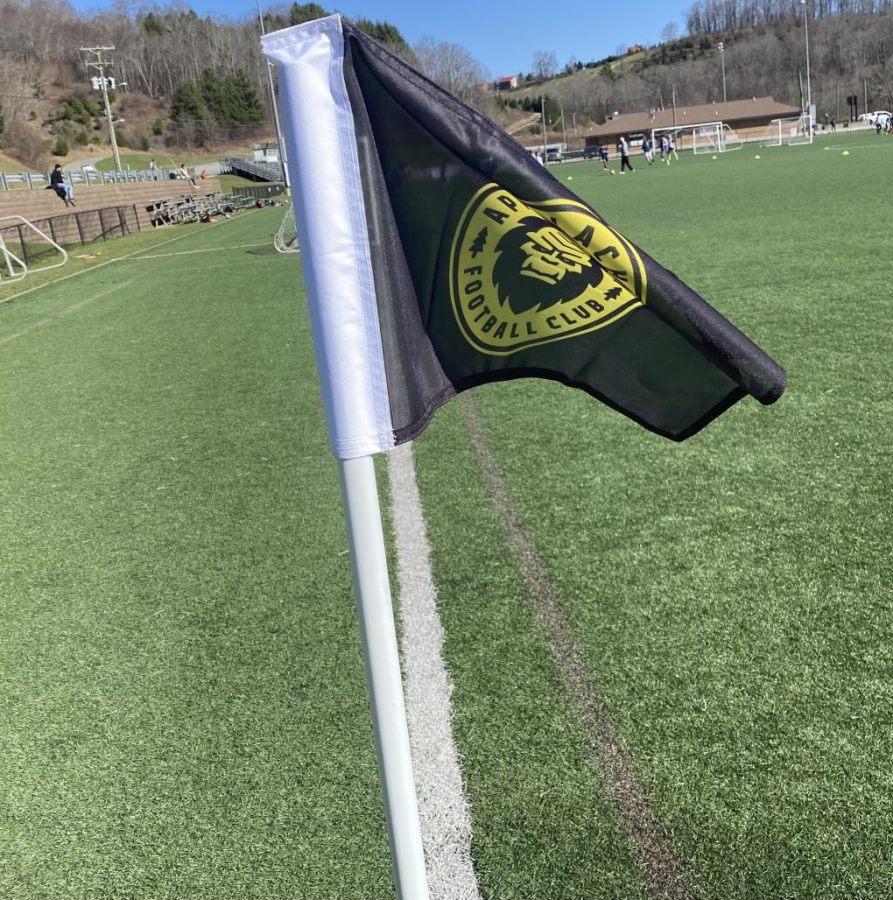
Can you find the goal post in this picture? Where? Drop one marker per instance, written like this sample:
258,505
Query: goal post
715,137
21,241
702,137
788,132
286,239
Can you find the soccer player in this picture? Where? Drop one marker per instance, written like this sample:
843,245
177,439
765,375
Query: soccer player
648,150
624,155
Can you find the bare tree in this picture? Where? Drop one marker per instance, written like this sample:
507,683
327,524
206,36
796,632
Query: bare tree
545,65
452,67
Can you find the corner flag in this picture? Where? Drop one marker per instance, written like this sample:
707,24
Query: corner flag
440,255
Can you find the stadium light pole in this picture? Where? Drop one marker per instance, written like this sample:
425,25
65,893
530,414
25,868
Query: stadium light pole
722,60
808,85
283,160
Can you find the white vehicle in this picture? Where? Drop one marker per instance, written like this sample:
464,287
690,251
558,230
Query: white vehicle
881,119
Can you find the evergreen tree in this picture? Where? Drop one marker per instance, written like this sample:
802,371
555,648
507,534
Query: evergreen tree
389,35
242,104
190,115
299,13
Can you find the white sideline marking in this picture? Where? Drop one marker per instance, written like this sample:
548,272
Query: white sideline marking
65,312
443,806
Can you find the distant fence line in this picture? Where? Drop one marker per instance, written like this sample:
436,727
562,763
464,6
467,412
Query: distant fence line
260,192
89,177
70,229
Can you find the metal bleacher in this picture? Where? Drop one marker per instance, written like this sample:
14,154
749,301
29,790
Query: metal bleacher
250,168
195,209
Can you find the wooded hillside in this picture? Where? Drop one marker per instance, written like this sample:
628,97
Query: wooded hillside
196,81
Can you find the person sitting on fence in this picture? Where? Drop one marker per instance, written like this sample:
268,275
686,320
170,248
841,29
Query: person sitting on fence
60,186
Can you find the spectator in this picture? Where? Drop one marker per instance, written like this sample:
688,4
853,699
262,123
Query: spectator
60,186
184,173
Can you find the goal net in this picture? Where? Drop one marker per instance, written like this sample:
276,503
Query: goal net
286,239
793,130
24,248
714,137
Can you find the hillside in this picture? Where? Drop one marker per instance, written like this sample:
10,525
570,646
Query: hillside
198,85
848,58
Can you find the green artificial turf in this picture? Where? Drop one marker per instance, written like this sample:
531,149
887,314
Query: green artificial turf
182,700
731,594
183,707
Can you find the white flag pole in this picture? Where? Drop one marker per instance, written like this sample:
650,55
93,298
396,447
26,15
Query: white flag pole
383,678
329,212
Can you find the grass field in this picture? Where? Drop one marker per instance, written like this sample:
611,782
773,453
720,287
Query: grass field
183,708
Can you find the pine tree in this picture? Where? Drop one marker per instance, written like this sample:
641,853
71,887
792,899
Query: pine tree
242,104
189,113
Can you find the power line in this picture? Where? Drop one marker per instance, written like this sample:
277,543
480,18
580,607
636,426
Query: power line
99,64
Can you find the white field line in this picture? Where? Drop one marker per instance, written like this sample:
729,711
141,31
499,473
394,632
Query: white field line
443,806
108,262
204,250
65,312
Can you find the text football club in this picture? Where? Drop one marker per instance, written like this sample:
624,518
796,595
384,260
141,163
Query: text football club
524,273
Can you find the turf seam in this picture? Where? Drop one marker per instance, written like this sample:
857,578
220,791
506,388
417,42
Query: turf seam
443,804
667,878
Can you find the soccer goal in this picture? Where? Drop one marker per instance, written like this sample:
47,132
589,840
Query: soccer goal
22,243
714,137
286,239
790,131
679,136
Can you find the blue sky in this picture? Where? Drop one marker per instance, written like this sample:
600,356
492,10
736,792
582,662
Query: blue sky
501,35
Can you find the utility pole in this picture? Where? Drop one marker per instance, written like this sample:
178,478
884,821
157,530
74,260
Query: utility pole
563,129
722,58
283,159
674,113
808,80
99,64
543,114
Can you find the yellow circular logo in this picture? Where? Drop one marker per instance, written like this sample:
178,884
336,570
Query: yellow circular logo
528,273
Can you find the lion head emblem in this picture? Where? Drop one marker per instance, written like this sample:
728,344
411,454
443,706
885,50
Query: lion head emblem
538,265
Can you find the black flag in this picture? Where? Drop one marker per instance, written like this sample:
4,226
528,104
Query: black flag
478,265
